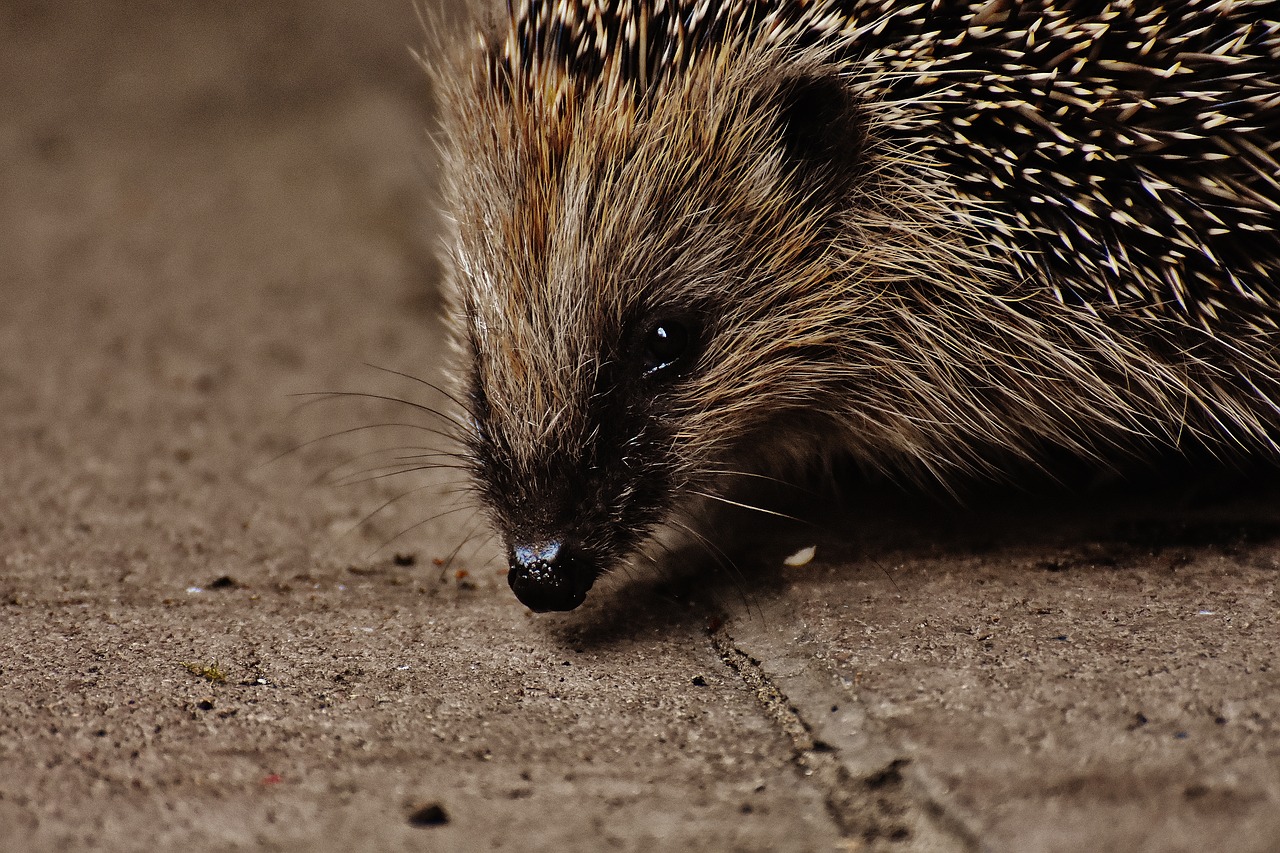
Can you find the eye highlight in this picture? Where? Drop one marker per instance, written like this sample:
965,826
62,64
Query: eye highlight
667,348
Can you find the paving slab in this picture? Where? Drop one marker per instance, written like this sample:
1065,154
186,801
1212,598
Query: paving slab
1104,682
223,628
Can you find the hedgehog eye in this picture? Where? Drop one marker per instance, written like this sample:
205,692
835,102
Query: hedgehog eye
666,347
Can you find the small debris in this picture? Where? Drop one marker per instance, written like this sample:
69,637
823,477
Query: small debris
428,814
271,779
801,558
210,672
224,582
404,559
698,681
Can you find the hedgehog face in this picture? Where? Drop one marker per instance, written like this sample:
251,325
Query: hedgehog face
636,278
584,491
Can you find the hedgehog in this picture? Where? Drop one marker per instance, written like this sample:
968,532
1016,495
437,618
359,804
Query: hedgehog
695,241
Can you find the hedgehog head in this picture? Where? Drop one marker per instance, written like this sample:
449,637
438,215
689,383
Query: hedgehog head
636,271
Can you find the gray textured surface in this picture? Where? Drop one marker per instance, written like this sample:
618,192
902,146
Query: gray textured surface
207,208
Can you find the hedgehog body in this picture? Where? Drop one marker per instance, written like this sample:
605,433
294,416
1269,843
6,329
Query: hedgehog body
696,241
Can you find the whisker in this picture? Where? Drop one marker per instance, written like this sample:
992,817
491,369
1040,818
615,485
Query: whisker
667,572
460,487
664,571
415,526
365,520
420,380
434,454
755,475
321,396
724,500
738,580
722,559
328,476
471,532
368,475
348,431
890,576
489,562
490,536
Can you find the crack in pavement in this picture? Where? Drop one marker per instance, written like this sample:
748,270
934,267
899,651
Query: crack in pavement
875,801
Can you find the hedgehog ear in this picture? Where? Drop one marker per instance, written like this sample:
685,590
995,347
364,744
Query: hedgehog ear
823,133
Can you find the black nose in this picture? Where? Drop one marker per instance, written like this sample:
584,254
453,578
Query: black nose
551,575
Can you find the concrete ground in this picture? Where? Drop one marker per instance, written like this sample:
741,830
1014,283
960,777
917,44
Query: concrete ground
208,208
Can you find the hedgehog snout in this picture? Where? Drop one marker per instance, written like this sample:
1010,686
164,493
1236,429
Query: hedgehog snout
551,575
